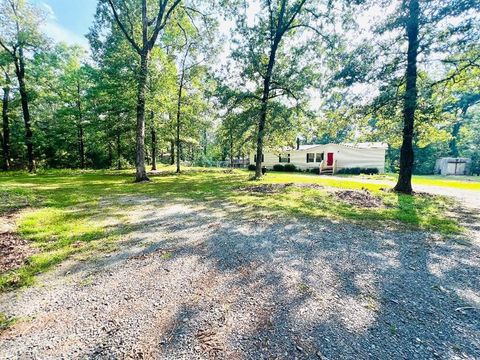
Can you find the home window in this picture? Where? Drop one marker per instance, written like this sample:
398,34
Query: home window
318,157
255,158
310,157
284,158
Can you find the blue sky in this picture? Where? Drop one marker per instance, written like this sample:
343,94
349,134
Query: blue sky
68,20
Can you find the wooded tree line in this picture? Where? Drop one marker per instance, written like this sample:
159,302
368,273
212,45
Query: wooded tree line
186,80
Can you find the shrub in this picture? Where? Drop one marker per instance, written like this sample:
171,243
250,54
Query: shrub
358,171
370,171
290,167
251,167
315,170
278,167
350,171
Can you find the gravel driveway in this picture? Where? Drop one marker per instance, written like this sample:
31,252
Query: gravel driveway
210,281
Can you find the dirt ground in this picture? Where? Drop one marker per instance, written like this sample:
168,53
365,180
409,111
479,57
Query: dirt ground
205,281
13,249
470,199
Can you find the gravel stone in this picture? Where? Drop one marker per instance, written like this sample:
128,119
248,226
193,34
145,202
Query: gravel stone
243,288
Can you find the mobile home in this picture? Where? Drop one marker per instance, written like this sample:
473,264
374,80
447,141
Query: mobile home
329,158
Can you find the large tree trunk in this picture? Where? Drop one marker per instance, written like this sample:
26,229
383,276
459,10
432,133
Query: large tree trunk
264,107
81,146
158,22
404,184
172,152
179,109
154,145
6,128
177,141
81,142
20,72
141,173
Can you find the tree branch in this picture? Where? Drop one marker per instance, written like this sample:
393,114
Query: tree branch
122,27
294,15
470,64
7,49
162,19
318,32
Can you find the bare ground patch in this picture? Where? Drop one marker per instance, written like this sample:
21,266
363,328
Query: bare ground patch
360,198
13,249
276,188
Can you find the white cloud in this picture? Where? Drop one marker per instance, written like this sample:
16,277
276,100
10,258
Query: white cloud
60,34
54,30
49,11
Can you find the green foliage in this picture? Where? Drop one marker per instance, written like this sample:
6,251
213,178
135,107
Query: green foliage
278,167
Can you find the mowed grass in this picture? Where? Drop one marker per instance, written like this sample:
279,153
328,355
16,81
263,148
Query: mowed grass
457,182
82,213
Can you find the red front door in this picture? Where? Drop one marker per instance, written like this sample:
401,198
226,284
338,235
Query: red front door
329,159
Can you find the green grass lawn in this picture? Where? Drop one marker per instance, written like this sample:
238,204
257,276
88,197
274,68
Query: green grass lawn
458,182
77,212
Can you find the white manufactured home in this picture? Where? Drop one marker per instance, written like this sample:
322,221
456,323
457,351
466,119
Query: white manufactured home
329,158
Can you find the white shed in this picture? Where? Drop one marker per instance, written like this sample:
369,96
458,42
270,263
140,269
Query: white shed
452,166
329,157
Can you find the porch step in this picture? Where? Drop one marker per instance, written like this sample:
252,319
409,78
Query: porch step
327,171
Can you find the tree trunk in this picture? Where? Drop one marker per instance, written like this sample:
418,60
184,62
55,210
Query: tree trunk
455,131
119,153
154,145
404,184
172,152
231,149
110,154
6,128
20,72
141,173
205,144
81,143
177,141
264,107
453,143
81,146
179,109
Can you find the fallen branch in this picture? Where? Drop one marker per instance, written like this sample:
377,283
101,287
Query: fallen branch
467,308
